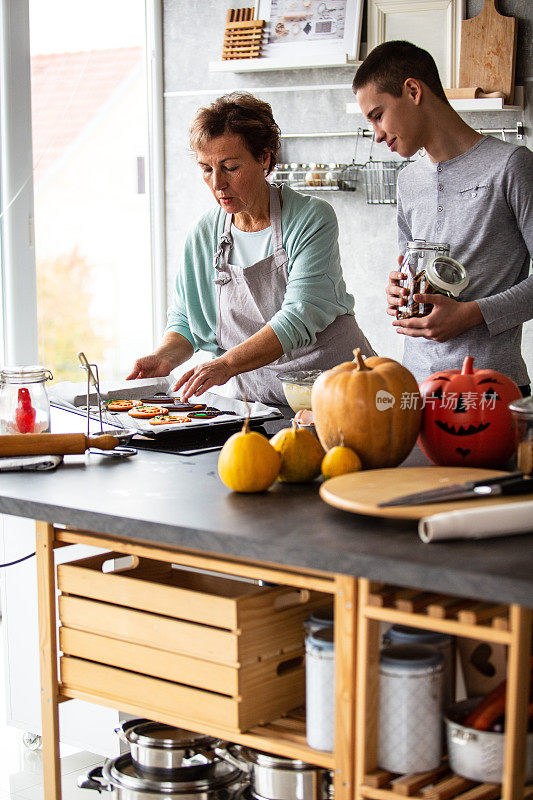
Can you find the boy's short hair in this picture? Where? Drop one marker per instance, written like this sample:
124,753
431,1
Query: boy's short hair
390,64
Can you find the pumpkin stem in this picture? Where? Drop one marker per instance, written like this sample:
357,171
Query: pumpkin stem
468,366
295,425
341,438
246,423
360,362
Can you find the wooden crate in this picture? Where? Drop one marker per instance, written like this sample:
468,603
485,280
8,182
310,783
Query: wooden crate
228,652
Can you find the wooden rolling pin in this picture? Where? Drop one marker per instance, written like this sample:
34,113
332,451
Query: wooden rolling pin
53,444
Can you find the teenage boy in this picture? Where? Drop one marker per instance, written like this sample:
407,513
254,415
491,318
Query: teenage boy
474,192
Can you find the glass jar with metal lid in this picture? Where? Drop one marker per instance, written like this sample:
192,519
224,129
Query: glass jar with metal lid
24,404
522,411
428,269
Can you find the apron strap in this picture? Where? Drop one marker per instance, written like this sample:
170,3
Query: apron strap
220,259
275,224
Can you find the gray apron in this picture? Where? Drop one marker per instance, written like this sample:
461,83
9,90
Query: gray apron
247,299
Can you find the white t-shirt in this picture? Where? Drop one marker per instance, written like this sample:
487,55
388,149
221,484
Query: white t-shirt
249,247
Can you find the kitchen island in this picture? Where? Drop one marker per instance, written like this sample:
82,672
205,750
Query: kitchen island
175,509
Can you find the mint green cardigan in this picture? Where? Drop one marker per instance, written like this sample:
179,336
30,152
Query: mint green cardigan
315,295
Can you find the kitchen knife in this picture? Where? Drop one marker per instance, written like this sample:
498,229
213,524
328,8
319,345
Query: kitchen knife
53,444
512,483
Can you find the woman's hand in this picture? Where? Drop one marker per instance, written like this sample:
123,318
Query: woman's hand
173,351
396,294
203,377
447,319
153,366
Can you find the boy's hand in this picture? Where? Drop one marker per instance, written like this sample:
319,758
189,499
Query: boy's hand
447,319
396,294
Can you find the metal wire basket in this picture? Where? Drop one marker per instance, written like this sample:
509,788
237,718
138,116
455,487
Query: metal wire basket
380,179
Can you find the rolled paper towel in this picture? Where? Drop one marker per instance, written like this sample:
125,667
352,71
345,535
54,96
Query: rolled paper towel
478,523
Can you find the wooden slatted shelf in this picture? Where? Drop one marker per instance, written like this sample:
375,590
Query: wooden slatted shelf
438,784
508,625
440,612
243,36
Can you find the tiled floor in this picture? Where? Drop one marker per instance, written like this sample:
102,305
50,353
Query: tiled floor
21,770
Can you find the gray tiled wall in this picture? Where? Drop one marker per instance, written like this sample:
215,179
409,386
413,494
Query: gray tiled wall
193,36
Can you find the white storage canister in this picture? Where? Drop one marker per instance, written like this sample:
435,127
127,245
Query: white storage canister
402,634
320,689
410,705
320,618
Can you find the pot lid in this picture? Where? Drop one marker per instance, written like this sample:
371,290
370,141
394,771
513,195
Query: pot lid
277,762
156,734
121,773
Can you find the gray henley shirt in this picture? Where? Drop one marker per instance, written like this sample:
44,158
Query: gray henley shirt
481,203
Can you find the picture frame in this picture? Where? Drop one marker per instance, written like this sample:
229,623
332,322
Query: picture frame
311,32
434,25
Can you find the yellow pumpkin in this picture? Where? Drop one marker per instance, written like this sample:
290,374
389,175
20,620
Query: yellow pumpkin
248,462
376,404
340,460
301,454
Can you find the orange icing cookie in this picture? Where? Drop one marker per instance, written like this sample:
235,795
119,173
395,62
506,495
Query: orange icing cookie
146,412
122,405
169,420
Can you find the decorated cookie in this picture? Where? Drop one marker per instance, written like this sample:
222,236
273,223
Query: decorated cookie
122,405
169,419
147,412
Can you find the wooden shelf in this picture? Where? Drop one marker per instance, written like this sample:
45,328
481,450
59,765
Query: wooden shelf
442,613
284,736
261,64
481,104
439,784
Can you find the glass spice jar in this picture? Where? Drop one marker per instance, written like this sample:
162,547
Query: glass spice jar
24,404
522,411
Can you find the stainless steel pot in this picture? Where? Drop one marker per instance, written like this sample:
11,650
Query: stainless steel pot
478,755
159,749
277,778
212,781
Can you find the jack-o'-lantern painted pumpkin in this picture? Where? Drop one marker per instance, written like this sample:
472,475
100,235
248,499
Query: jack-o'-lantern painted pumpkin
466,419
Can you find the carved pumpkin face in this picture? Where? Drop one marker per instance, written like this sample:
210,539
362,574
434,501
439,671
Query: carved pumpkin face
466,419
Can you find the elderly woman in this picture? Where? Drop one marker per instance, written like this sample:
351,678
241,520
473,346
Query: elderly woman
260,285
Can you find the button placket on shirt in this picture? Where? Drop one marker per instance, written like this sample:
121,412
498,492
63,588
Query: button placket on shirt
440,206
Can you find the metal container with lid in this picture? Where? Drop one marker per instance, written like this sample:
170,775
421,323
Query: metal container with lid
443,642
320,689
319,618
24,404
522,411
410,703
160,749
277,778
215,780
428,269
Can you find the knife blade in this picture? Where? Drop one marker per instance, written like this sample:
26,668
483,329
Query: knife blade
512,483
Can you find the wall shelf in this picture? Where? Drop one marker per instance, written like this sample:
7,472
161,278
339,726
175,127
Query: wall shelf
261,64
478,104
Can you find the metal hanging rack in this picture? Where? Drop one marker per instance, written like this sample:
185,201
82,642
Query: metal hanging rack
517,131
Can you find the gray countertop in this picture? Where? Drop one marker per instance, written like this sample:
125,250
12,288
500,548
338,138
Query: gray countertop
180,502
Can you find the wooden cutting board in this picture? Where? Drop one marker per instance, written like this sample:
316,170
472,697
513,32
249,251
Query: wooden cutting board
361,492
488,51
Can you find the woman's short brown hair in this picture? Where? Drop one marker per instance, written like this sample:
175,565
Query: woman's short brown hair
243,114
390,64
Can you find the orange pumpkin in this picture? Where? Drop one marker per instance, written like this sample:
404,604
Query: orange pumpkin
375,403
467,420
